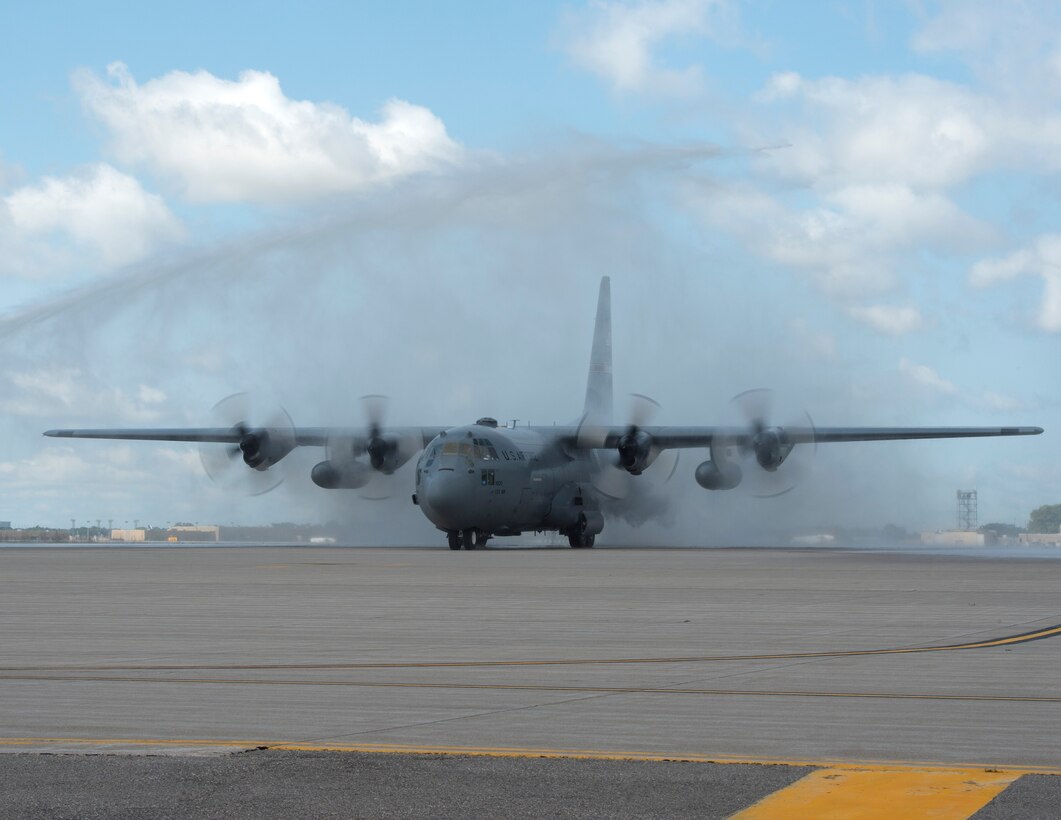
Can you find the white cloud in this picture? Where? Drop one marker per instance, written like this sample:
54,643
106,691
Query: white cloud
894,320
988,400
851,242
1042,259
910,130
618,42
927,377
73,471
60,393
818,343
990,271
150,395
223,140
996,401
864,185
96,217
1012,46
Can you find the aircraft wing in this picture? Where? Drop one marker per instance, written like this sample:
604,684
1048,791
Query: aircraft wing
666,438
303,436
601,438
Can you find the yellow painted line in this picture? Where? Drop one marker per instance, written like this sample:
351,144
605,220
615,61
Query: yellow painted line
837,793
530,687
1008,640
532,752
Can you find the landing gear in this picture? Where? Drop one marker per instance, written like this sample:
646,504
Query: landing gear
579,540
469,539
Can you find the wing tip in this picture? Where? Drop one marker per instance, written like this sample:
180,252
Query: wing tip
54,433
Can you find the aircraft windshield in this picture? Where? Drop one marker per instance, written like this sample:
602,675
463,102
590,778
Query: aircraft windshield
480,449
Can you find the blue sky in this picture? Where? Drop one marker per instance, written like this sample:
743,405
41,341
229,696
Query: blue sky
854,202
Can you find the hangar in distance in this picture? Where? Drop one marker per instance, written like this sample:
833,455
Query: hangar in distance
475,481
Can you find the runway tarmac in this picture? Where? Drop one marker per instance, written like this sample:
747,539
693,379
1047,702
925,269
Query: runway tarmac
808,657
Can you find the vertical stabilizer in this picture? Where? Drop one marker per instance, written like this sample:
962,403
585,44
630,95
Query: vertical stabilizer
599,383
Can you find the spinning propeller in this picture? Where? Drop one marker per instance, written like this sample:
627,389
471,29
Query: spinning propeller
383,453
634,452
252,464
772,463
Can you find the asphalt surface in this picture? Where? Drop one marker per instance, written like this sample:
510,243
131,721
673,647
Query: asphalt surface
272,784
1033,796
768,656
267,784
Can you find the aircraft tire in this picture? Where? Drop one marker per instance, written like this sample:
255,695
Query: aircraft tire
579,540
481,538
454,539
468,538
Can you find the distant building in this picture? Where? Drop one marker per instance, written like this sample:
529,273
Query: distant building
954,538
34,535
1041,538
130,536
5,525
196,533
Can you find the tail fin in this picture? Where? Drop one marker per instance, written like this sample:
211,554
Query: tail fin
599,383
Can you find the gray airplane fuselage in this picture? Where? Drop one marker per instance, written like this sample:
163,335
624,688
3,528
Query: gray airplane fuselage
503,481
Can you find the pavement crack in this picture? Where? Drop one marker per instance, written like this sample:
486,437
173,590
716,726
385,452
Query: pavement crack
487,713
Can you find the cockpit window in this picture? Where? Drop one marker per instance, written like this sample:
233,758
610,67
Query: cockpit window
465,449
484,449
449,448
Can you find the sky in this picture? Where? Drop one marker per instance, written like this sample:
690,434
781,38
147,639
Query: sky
852,203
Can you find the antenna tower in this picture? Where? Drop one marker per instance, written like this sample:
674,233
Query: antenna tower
967,515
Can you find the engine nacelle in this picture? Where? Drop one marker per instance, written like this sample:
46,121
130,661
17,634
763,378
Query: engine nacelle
712,476
771,448
387,454
350,476
636,452
263,448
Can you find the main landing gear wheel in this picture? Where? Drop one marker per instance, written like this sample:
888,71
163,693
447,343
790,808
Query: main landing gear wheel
469,539
578,540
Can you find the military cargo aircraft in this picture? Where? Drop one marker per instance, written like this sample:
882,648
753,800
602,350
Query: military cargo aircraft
481,480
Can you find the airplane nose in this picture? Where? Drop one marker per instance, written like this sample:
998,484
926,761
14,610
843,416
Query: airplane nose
441,498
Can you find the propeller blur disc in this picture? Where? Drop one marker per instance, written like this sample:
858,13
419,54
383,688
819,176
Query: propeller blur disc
755,411
224,464
609,478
